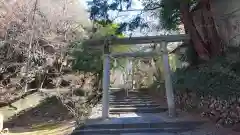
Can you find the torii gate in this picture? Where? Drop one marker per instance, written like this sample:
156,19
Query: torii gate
162,49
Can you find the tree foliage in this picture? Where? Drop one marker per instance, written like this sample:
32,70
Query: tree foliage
100,12
90,59
222,75
169,14
167,11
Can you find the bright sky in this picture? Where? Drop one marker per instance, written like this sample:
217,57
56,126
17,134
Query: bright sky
124,16
136,4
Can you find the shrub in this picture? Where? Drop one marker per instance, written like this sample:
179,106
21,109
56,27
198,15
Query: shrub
220,77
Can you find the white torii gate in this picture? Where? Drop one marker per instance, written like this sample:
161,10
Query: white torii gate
163,40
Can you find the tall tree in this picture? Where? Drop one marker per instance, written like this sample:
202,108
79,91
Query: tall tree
175,12
171,13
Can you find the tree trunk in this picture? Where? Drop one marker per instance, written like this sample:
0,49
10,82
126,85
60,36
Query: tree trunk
215,43
198,42
205,32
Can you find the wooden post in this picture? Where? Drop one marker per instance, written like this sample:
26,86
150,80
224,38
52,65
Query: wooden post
168,82
106,82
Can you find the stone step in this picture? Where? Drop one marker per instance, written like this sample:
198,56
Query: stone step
137,110
129,92
126,130
131,102
155,125
123,100
136,106
131,98
143,98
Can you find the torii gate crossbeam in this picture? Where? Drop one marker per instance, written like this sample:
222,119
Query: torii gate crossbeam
138,40
135,54
133,41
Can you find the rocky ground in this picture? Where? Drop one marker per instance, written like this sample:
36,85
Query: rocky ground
209,111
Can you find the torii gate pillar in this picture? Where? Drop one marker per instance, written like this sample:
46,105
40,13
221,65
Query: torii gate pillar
106,82
168,81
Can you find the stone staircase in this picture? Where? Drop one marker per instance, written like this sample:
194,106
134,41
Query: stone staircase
137,115
136,103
